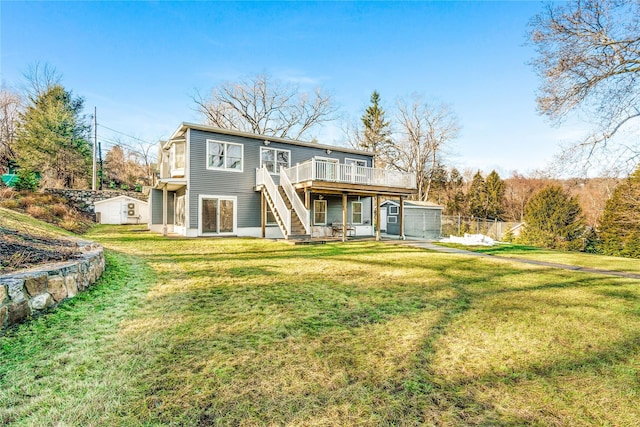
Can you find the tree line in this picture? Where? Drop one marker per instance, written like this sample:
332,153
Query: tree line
46,136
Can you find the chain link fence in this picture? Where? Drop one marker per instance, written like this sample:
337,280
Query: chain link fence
459,225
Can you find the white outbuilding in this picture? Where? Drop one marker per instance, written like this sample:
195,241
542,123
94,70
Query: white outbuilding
121,210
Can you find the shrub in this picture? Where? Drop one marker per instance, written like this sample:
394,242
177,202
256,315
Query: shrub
27,180
39,212
59,210
620,222
553,220
27,201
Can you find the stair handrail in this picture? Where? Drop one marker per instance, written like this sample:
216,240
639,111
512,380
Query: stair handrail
279,206
298,206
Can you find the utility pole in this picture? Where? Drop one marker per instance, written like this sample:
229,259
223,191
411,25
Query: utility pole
101,164
95,144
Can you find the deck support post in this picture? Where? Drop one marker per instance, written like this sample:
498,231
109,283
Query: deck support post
377,217
263,214
401,219
344,217
165,197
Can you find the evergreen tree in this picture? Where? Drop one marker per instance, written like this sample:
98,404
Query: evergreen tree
620,222
52,138
455,204
376,136
495,195
477,197
553,220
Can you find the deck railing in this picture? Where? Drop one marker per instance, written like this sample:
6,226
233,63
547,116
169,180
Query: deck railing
322,170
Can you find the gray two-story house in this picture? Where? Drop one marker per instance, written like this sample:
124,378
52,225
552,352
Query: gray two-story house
217,182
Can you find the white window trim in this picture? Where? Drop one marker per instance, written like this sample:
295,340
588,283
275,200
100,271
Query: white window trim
325,212
356,161
393,210
235,214
275,158
225,169
361,212
327,159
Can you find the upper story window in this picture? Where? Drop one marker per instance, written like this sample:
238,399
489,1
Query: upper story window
224,155
177,158
357,162
274,159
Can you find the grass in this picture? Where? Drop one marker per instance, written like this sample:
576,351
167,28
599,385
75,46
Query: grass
580,259
253,332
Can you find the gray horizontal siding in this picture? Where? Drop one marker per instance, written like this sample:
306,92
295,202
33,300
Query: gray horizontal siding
334,209
203,181
156,206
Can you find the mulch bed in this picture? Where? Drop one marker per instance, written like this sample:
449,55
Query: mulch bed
23,250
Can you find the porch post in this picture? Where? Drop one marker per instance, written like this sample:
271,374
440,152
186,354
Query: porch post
307,199
344,217
165,196
401,214
377,217
263,215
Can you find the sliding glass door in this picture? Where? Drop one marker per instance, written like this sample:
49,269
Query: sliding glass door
217,214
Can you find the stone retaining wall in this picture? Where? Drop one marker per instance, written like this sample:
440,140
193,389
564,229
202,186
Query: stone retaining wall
30,292
84,199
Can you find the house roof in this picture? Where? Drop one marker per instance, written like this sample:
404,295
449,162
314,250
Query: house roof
122,197
179,134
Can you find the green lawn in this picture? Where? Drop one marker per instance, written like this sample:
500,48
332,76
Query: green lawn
253,332
580,259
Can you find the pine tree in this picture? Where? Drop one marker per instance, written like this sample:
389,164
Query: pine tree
376,135
477,197
52,138
553,220
619,229
495,195
455,203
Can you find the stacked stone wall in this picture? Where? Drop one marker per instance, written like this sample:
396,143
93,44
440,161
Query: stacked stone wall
84,200
28,293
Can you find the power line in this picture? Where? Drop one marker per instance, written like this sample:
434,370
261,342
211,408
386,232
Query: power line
125,134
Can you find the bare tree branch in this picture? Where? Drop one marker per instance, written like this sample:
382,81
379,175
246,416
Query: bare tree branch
262,105
425,130
589,62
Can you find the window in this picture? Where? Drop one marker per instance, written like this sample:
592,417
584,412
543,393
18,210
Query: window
393,210
178,156
217,214
320,212
356,212
179,211
392,219
275,160
356,162
224,155
271,218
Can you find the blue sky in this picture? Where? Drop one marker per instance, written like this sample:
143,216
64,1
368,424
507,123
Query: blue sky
140,63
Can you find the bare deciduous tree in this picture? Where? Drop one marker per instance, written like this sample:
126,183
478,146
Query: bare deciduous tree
10,103
589,61
263,105
425,130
